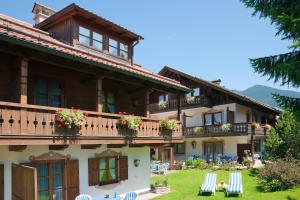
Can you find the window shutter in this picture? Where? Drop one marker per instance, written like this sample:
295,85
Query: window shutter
123,168
24,182
72,176
93,171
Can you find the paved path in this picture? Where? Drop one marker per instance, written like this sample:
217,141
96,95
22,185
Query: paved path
149,196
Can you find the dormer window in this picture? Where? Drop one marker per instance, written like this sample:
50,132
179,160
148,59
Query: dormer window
118,49
90,38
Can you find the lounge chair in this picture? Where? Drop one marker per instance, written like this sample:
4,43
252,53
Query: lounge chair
209,184
131,196
84,197
235,184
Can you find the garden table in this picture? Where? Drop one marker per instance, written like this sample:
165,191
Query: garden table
111,197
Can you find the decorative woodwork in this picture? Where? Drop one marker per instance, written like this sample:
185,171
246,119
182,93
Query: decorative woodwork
18,148
49,156
108,153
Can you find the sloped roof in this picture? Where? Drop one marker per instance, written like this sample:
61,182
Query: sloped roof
218,87
24,34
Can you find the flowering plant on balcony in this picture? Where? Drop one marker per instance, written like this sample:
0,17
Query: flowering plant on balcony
70,118
168,125
190,100
255,125
199,129
162,105
226,127
132,122
267,127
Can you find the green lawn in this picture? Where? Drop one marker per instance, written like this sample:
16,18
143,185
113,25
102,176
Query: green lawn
185,186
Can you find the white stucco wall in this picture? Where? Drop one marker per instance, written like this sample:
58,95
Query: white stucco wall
230,145
138,177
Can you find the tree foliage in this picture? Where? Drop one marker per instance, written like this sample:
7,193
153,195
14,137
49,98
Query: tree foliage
284,139
284,68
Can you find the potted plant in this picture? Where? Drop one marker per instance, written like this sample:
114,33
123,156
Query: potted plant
255,126
267,127
70,119
199,129
130,122
190,100
168,126
162,105
161,186
226,127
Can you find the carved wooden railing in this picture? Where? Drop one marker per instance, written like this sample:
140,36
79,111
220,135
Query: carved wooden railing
235,129
33,120
185,103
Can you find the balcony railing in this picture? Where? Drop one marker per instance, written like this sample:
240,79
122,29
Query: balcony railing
220,130
31,120
185,103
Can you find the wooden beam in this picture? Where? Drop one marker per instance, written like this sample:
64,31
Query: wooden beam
99,94
90,146
115,145
57,147
147,103
17,148
23,80
179,107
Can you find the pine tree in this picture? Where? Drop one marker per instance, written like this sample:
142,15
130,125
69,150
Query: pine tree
283,68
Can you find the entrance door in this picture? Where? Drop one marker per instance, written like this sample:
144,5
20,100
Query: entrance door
241,148
168,156
1,182
50,180
24,182
213,150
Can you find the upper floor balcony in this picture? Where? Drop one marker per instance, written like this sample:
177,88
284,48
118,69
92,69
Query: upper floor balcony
189,102
230,129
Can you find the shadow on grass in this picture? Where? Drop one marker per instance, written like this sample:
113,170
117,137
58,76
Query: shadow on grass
253,172
291,198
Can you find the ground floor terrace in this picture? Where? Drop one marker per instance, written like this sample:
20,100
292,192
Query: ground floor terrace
38,172
209,148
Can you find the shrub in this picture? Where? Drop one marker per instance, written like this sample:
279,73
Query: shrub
200,163
189,162
279,175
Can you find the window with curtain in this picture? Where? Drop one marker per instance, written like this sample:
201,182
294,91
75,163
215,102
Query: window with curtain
108,170
163,98
50,180
213,118
217,118
208,119
108,102
48,93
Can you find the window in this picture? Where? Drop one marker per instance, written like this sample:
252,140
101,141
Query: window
107,169
118,49
90,38
257,146
213,118
48,93
163,98
213,150
84,36
50,180
194,93
108,102
179,148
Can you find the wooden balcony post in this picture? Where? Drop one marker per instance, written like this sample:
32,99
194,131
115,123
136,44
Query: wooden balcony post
23,80
147,103
179,107
23,93
99,94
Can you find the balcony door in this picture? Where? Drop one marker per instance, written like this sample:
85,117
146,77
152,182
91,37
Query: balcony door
213,150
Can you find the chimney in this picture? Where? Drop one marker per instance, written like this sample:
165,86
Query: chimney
41,12
217,82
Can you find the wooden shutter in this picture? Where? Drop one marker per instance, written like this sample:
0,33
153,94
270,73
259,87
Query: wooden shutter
123,168
230,116
24,182
93,171
1,182
72,179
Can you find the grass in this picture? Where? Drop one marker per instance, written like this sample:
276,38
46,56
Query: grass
185,186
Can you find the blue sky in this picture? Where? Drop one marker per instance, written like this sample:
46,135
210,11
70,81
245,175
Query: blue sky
210,39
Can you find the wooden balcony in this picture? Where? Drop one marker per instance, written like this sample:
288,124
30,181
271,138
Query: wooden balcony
30,124
185,103
236,129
